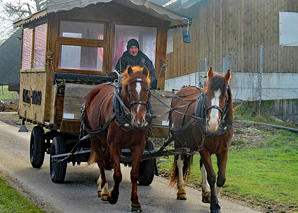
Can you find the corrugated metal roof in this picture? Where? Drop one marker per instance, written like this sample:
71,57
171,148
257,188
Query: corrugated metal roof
10,59
143,6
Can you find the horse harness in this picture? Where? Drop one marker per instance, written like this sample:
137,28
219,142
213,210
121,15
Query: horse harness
122,114
200,116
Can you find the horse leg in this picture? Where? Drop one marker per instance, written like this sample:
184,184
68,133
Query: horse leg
115,152
102,189
221,178
211,177
206,194
136,155
181,194
97,156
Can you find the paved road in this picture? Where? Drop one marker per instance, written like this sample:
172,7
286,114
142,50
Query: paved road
79,192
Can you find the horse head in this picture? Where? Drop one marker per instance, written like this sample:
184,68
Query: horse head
218,95
135,93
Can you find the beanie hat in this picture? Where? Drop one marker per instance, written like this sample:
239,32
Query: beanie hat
132,42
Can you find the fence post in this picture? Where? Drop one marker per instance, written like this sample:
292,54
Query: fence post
261,78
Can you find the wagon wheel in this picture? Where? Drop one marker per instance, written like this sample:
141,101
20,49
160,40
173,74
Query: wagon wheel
37,147
147,167
57,169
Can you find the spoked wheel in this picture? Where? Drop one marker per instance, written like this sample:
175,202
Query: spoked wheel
57,169
37,147
147,167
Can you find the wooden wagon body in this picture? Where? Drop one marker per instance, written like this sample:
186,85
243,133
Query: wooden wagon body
71,46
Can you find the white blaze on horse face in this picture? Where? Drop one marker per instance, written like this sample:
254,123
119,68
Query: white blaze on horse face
213,122
138,89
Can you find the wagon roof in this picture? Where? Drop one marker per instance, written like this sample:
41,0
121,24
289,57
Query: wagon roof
143,6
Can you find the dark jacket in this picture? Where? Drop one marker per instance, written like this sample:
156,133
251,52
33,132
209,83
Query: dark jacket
140,59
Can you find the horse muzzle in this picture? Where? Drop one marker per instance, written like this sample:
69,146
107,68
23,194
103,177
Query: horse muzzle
213,126
139,123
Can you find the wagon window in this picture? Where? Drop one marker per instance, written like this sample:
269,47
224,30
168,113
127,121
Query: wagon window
81,58
145,35
40,38
27,48
87,30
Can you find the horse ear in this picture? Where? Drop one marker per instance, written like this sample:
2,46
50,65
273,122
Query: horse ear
145,71
228,76
129,70
210,74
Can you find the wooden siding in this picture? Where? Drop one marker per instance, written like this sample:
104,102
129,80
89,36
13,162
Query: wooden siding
238,27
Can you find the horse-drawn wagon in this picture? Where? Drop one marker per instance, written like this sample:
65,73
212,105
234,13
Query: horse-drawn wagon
69,47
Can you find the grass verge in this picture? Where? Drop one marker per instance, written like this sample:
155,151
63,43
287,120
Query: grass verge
12,202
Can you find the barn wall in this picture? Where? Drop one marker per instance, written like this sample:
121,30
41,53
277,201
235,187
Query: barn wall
238,27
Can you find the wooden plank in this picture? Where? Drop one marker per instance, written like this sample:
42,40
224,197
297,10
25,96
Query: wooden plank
158,107
225,33
73,99
52,104
59,109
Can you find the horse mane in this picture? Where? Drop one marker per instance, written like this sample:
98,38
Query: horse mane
137,73
217,81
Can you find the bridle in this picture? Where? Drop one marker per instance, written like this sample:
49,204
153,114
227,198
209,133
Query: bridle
124,113
222,111
201,115
129,94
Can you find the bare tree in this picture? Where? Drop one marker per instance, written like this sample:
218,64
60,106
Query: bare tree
22,8
11,11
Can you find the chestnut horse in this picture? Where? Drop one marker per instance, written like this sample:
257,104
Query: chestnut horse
128,130
206,118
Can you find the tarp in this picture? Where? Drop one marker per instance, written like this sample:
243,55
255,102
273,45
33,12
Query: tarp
143,6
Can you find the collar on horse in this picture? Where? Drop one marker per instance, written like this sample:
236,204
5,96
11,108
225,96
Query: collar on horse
201,114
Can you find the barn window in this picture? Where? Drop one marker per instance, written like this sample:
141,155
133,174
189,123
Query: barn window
40,41
145,35
288,31
27,48
81,46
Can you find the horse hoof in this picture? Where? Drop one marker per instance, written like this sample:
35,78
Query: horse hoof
104,197
206,197
98,194
112,198
136,209
181,197
215,211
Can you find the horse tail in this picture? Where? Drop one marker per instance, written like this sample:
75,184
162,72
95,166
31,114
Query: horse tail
96,155
187,162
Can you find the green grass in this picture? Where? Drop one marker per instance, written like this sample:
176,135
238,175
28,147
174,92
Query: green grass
12,202
8,96
266,174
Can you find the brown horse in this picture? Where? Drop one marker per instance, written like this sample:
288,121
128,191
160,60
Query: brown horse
128,130
202,120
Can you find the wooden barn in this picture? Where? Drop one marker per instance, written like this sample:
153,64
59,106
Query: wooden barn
257,40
